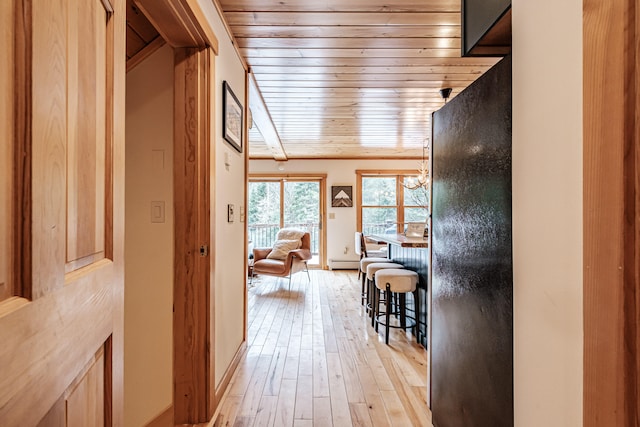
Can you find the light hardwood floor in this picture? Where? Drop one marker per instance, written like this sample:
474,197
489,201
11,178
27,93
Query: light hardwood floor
314,360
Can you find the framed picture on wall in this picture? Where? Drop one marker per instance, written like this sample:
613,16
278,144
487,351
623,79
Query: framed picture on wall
231,118
341,196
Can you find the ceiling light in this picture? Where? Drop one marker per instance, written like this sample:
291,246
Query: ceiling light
422,180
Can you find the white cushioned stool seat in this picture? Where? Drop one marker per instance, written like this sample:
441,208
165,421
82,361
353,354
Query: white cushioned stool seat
400,281
364,262
376,266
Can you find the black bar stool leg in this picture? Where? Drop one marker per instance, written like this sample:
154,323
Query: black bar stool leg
375,307
416,313
402,308
387,295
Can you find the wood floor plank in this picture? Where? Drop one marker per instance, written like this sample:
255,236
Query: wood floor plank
314,360
372,395
229,411
320,374
243,374
395,409
350,373
379,373
413,405
253,395
360,415
274,377
340,414
304,398
305,364
322,412
291,365
266,414
286,403
243,422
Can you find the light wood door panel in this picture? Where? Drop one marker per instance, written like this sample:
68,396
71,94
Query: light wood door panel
84,405
69,144
86,106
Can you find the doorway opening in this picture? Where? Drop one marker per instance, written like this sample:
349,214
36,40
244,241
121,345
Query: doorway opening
291,201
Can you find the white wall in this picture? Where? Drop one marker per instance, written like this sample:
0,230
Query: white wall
341,230
547,212
228,249
148,364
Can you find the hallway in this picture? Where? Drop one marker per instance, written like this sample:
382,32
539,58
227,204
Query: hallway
314,360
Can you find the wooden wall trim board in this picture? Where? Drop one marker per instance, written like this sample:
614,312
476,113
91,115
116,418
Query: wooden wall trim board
211,334
191,210
181,23
611,213
164,418
146,52
245,158
232,36
261,157
262,118
222,388
278,176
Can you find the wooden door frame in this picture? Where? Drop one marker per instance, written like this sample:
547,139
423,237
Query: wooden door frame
183,26
611,212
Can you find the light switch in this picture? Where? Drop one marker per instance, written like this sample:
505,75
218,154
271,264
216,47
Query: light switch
157,211
332,215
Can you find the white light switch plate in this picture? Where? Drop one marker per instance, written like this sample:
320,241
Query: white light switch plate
157,211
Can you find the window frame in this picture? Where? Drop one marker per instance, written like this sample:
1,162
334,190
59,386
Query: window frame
399,175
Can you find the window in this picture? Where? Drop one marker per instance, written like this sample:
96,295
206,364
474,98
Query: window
385,205
275,202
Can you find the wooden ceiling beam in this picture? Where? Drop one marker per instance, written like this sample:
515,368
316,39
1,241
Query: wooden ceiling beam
181,23
263,122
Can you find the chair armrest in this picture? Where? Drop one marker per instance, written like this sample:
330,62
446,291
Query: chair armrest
260,253
303,254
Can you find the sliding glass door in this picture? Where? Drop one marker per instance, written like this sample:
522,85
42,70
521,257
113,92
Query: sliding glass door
276,202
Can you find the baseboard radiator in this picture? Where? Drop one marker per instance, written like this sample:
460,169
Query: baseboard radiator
344,264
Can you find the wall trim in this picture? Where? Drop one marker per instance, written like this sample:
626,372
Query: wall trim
222,389
163,419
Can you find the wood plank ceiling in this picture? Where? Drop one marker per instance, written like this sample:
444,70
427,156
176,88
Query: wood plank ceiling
350,78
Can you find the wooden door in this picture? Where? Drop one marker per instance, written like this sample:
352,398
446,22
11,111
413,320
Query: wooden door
61,319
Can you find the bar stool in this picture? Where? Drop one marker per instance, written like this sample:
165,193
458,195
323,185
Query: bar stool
360,248
372,268
399,281
364,263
